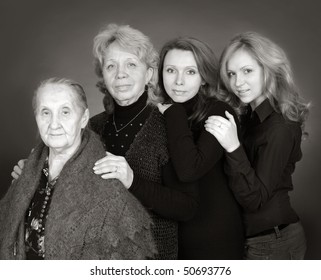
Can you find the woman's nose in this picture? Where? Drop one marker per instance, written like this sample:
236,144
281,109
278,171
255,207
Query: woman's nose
54,122
239,80
121,72
179,79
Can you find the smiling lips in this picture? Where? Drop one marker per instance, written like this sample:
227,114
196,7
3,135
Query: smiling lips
122,87
243,92
179,92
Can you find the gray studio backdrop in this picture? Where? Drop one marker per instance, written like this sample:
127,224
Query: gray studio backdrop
41,39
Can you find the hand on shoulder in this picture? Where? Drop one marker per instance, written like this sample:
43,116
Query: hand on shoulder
224,130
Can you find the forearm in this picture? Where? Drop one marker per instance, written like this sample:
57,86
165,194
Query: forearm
247,187
191,158
165,201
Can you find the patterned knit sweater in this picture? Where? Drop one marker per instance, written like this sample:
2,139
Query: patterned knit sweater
146,156
89,218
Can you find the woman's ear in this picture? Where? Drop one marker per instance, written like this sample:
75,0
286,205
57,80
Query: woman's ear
85,118
149,75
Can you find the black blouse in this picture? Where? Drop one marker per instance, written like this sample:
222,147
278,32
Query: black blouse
260,169
36,217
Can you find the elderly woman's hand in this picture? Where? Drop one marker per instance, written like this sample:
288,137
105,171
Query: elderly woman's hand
114,167
224,130
163,107
17,169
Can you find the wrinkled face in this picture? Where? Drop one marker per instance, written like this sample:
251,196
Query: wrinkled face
246,78
60,118
125,75
180,75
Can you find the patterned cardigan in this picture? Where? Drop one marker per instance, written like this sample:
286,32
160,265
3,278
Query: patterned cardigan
89,218
146,156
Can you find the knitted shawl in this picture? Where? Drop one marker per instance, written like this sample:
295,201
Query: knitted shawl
89,218
146,156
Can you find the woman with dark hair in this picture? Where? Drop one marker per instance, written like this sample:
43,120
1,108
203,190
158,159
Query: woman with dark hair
257,74
188,83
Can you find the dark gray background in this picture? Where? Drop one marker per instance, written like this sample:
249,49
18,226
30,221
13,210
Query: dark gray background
41,38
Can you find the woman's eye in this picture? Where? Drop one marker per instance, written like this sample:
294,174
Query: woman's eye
191,72
247,71
66,112
170,70
45,113
132,65
109,66
230,74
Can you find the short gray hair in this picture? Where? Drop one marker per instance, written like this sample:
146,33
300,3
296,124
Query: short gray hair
74,86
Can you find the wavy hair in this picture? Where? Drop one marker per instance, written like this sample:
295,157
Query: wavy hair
131,40
279,86
207,65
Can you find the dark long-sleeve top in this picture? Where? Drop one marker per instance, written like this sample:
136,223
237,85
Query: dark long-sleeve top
260,169
216,231
171,198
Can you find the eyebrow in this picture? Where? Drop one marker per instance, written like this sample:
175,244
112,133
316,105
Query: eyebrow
188,66
129,58
245,66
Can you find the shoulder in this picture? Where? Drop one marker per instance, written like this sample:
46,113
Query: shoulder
99,117
217,107
97,122
279,127
155,123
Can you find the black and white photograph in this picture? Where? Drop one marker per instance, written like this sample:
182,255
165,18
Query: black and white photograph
158,130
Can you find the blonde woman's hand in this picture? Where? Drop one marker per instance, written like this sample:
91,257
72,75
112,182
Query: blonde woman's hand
224,130
114,167
163,107
17,169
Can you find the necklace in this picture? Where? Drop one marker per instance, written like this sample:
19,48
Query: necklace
114,123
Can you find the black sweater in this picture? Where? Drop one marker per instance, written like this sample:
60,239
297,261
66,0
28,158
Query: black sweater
216,231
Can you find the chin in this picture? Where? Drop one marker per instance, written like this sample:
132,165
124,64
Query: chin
179,100
56,145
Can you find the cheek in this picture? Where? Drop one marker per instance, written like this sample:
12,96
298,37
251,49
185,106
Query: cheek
42,125
196,84
167,79
167,86
231,84
107,77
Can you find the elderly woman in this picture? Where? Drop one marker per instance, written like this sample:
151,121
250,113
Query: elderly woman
134,133
58,208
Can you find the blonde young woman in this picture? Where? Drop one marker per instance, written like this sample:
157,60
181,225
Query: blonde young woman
258,76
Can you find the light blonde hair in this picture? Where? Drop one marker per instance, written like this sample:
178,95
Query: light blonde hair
131,40
279,86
